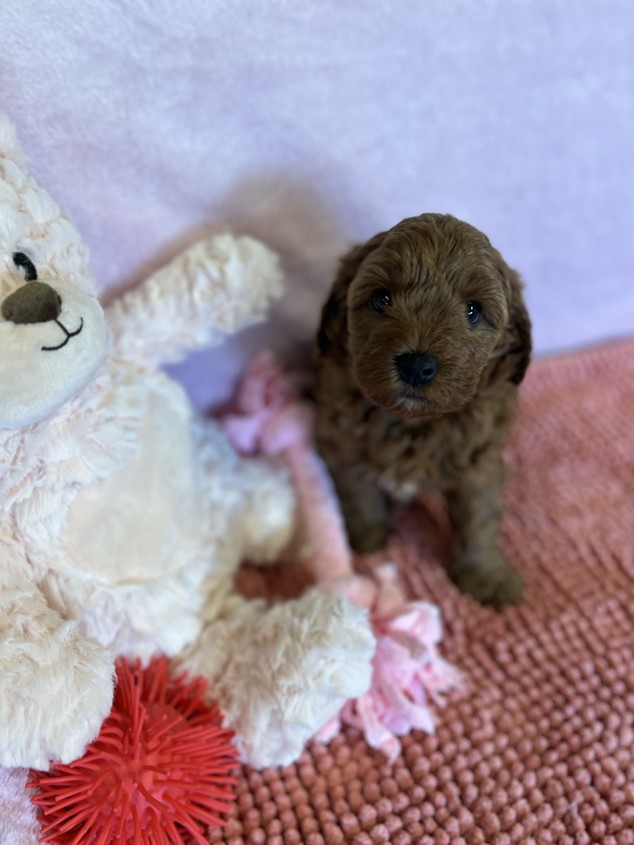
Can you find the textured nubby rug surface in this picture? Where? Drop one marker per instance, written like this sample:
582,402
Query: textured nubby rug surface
539,747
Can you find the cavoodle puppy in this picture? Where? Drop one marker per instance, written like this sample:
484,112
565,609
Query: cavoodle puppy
422,344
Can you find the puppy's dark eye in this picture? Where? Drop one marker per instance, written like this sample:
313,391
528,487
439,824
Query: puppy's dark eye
473,312
23,261
381,299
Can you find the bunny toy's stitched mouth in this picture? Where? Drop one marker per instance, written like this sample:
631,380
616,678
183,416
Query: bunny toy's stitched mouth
67,338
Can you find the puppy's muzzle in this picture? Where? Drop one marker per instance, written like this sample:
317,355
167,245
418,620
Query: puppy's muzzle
416,368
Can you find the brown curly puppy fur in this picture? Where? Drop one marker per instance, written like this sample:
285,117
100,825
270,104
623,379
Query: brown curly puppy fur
422,343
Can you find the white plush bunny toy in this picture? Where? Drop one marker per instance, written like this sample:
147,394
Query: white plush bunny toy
124,515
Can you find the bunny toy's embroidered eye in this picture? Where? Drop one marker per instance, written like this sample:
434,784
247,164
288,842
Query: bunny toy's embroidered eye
24,262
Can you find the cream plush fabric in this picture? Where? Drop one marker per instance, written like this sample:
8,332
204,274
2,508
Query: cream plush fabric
123,515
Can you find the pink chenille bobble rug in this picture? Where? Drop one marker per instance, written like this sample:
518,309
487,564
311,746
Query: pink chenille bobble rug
538,747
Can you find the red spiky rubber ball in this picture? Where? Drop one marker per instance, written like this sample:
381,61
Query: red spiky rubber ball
159,773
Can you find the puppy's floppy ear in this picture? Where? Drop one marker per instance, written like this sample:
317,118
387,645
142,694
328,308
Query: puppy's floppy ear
333,324
516,346
521,331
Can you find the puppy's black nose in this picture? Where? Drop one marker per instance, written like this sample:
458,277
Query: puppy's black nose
416,367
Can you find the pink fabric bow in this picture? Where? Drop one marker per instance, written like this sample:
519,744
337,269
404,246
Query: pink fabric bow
408,672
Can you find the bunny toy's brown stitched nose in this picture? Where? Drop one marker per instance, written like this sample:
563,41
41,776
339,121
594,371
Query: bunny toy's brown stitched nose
35,302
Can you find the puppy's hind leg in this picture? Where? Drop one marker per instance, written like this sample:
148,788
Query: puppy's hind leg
364,507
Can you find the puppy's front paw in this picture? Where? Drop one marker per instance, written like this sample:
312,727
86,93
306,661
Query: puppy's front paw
497,585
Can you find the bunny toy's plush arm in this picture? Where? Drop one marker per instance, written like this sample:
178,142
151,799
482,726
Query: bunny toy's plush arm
56,685
211,290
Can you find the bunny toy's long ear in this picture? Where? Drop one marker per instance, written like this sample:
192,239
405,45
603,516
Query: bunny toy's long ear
9,146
